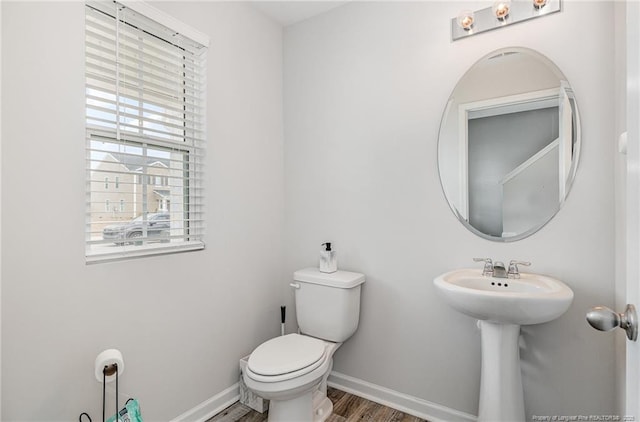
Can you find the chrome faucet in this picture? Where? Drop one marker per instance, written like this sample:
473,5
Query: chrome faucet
497,269
514,272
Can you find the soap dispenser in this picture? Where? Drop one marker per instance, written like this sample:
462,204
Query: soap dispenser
328,259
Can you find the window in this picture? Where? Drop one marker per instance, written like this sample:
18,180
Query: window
145,89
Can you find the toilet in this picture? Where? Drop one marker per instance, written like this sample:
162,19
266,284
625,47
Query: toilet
292,370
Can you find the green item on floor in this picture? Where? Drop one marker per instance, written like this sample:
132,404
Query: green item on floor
129,413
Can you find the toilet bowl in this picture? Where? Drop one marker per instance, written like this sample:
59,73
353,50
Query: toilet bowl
291,371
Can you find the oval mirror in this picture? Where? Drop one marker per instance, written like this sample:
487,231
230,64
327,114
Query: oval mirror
509,144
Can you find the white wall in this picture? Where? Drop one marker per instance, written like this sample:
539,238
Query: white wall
181,321
365,86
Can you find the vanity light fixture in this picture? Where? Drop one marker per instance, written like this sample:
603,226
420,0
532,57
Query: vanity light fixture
501,13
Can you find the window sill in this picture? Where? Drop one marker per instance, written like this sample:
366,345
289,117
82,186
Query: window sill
108,253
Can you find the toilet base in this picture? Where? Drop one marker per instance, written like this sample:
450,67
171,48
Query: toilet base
313,406
322,406
294,410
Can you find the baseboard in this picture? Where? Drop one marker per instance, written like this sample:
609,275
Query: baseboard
396,400
211,407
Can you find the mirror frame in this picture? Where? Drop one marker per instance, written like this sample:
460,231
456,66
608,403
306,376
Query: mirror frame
576,140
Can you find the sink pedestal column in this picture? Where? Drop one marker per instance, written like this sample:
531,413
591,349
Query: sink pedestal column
501,394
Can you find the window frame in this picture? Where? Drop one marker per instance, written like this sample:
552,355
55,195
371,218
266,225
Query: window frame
192,156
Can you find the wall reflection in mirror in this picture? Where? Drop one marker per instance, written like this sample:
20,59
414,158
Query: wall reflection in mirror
509,144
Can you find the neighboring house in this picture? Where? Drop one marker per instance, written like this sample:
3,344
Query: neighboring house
118,188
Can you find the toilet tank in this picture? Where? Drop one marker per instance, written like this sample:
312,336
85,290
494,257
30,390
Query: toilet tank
328,304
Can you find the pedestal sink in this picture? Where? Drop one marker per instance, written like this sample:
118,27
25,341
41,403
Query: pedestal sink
501,305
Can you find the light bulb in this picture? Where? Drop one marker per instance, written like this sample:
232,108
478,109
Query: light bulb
466,19
501,9
539,4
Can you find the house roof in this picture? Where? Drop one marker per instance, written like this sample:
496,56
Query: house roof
162,193
134,163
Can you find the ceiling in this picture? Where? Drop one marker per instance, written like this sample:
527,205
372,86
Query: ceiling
291,12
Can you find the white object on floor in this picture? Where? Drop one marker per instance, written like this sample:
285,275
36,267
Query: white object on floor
248,397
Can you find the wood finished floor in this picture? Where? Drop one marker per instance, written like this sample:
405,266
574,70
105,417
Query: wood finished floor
346,408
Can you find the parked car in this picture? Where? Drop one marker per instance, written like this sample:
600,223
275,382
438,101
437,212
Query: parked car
158,226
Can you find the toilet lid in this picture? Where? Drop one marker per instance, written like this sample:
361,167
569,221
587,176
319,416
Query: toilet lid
286,354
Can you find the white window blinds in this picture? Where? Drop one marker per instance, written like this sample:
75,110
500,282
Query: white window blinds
145,88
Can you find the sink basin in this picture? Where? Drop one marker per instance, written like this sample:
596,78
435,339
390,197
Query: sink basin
531,299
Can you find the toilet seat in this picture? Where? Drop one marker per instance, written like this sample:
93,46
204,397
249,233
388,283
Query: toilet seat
286,357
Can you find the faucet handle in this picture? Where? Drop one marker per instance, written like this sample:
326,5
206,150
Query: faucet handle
488,266
514,272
